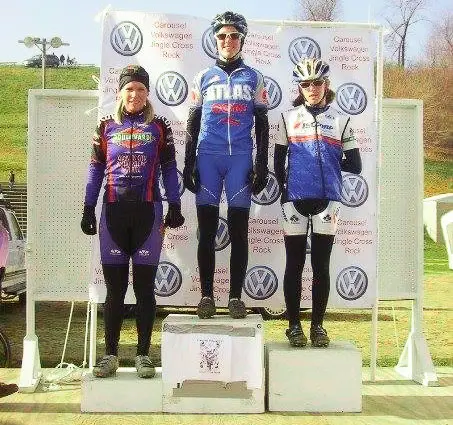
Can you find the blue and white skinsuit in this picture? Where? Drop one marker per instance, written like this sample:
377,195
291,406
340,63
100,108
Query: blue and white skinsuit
228,99
318,143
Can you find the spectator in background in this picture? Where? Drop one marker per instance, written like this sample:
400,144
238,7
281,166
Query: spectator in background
12,179
62,58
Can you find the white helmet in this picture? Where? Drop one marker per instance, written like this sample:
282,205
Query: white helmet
311,69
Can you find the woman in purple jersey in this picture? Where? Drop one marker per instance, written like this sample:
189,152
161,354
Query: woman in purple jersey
130,150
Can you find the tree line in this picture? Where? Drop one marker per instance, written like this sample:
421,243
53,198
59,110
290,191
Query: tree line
401,16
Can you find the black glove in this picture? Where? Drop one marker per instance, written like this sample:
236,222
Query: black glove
191,178
259,178
88,223
174,218
260,173
190,173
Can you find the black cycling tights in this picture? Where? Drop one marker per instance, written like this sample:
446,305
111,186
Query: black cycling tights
208,220
116,279
321,248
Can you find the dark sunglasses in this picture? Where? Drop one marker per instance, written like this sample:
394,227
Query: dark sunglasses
232,35
315,83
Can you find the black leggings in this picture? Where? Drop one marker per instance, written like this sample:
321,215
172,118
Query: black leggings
116,280
208,220
321,248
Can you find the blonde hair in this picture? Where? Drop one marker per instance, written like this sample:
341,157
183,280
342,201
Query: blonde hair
148,111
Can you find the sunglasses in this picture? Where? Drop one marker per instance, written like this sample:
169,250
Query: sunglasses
231,35
314,83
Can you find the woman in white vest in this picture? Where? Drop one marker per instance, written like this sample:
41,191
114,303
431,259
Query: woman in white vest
318,143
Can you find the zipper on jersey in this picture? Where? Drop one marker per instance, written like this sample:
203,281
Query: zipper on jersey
230,148
318,150
228,114
130,155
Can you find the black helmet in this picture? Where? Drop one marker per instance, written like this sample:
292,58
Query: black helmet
230,18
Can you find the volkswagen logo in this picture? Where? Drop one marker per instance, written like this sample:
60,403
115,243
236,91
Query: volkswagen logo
171,88
222,238
260,283
351,98
274,92
168,279
352,283
209,44
354,191
126,38
270,193
180,185
303,47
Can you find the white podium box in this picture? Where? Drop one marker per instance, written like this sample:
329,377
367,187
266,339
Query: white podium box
125,392
314,379
212,365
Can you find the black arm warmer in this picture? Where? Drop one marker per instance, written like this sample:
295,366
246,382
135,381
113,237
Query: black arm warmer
192,131
167,152
352,163
262,136
280,152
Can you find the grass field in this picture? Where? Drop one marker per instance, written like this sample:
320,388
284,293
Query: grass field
14,84
353,325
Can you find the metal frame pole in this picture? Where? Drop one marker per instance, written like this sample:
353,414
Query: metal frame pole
43,62
379,94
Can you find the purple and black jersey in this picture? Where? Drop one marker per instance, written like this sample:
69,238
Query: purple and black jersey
131,156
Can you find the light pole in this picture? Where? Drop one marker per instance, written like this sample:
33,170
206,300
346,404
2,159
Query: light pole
42,44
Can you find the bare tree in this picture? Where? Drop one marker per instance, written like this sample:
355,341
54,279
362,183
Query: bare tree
400,16
319,10
439,47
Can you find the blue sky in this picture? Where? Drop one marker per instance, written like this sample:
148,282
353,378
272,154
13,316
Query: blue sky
74,22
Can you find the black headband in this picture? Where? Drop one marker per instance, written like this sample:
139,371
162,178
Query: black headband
133,73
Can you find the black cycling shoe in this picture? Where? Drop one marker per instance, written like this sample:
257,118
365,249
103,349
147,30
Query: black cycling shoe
206,308
318,336
236,308
296,336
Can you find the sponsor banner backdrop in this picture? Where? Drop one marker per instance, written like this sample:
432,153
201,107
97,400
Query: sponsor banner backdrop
173,49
